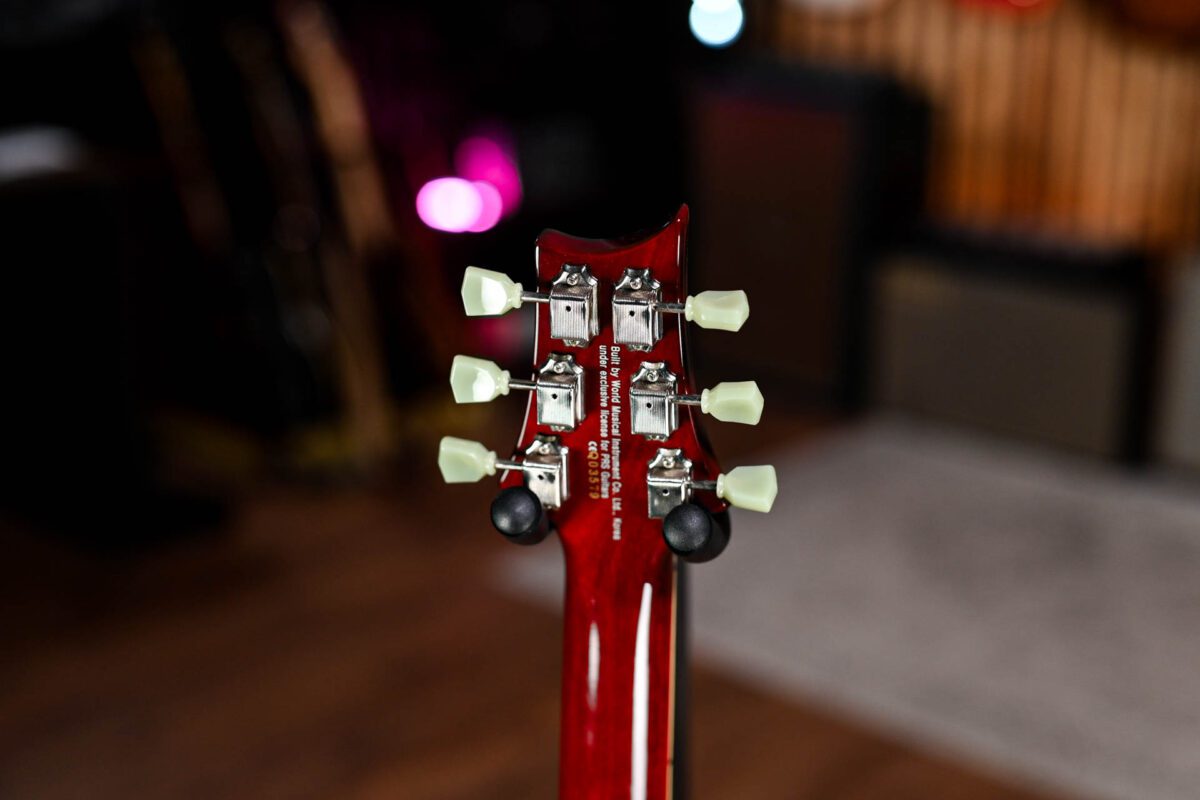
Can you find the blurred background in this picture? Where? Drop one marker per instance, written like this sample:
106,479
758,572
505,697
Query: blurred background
970,230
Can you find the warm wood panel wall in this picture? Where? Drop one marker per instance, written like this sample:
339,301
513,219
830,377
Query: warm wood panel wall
1058,120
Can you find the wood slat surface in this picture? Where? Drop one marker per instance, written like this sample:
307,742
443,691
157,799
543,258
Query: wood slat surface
1059,120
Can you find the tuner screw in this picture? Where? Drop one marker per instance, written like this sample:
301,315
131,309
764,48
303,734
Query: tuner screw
464,461
752,488
733,401
486,293
476,380
715,310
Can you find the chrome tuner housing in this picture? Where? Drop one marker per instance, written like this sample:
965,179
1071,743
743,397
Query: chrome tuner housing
545,470
560,392
668,481
637,321
574,301
653,413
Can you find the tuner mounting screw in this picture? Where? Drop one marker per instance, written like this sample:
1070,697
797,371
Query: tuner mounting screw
635,284
652,376
573,279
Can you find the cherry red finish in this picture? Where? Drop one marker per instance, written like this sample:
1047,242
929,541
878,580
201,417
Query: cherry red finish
620,612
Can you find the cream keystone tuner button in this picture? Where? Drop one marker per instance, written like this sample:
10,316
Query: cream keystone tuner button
752,488
464,461
717,310
476,380
733,401
486,293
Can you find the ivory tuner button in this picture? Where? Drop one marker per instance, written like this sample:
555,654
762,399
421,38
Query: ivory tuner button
733,401
722,311
477,380
486,293
464,461
752,488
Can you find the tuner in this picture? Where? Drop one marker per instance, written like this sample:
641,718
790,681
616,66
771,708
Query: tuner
544,465
637,309
655,405
558,386
669,484
573,300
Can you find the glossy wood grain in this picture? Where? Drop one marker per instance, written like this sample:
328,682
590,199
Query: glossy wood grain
620,610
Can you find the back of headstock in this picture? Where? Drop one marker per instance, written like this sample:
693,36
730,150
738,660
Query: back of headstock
612,456
612,388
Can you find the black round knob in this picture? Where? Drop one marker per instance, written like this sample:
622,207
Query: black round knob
517,513
694,534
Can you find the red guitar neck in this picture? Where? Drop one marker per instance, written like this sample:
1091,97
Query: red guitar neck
618,678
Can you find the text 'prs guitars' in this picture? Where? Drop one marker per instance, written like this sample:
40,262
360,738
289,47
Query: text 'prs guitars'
612,458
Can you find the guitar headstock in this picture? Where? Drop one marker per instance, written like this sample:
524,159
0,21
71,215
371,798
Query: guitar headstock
612,448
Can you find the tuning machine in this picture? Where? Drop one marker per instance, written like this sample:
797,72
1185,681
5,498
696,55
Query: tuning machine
669,484
573,299
690,530
637,309
544,465
655,404
558,387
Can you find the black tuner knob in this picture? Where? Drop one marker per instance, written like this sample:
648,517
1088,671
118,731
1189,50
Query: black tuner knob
694,534
517,513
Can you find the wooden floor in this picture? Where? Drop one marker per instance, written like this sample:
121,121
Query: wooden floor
347,644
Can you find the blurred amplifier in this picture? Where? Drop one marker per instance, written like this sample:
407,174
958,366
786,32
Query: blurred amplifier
800,177
1037,341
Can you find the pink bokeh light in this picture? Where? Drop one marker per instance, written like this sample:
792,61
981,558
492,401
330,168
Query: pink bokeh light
490,209
491,160
449,204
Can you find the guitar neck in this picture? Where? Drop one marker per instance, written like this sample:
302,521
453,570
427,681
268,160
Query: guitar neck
620,663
